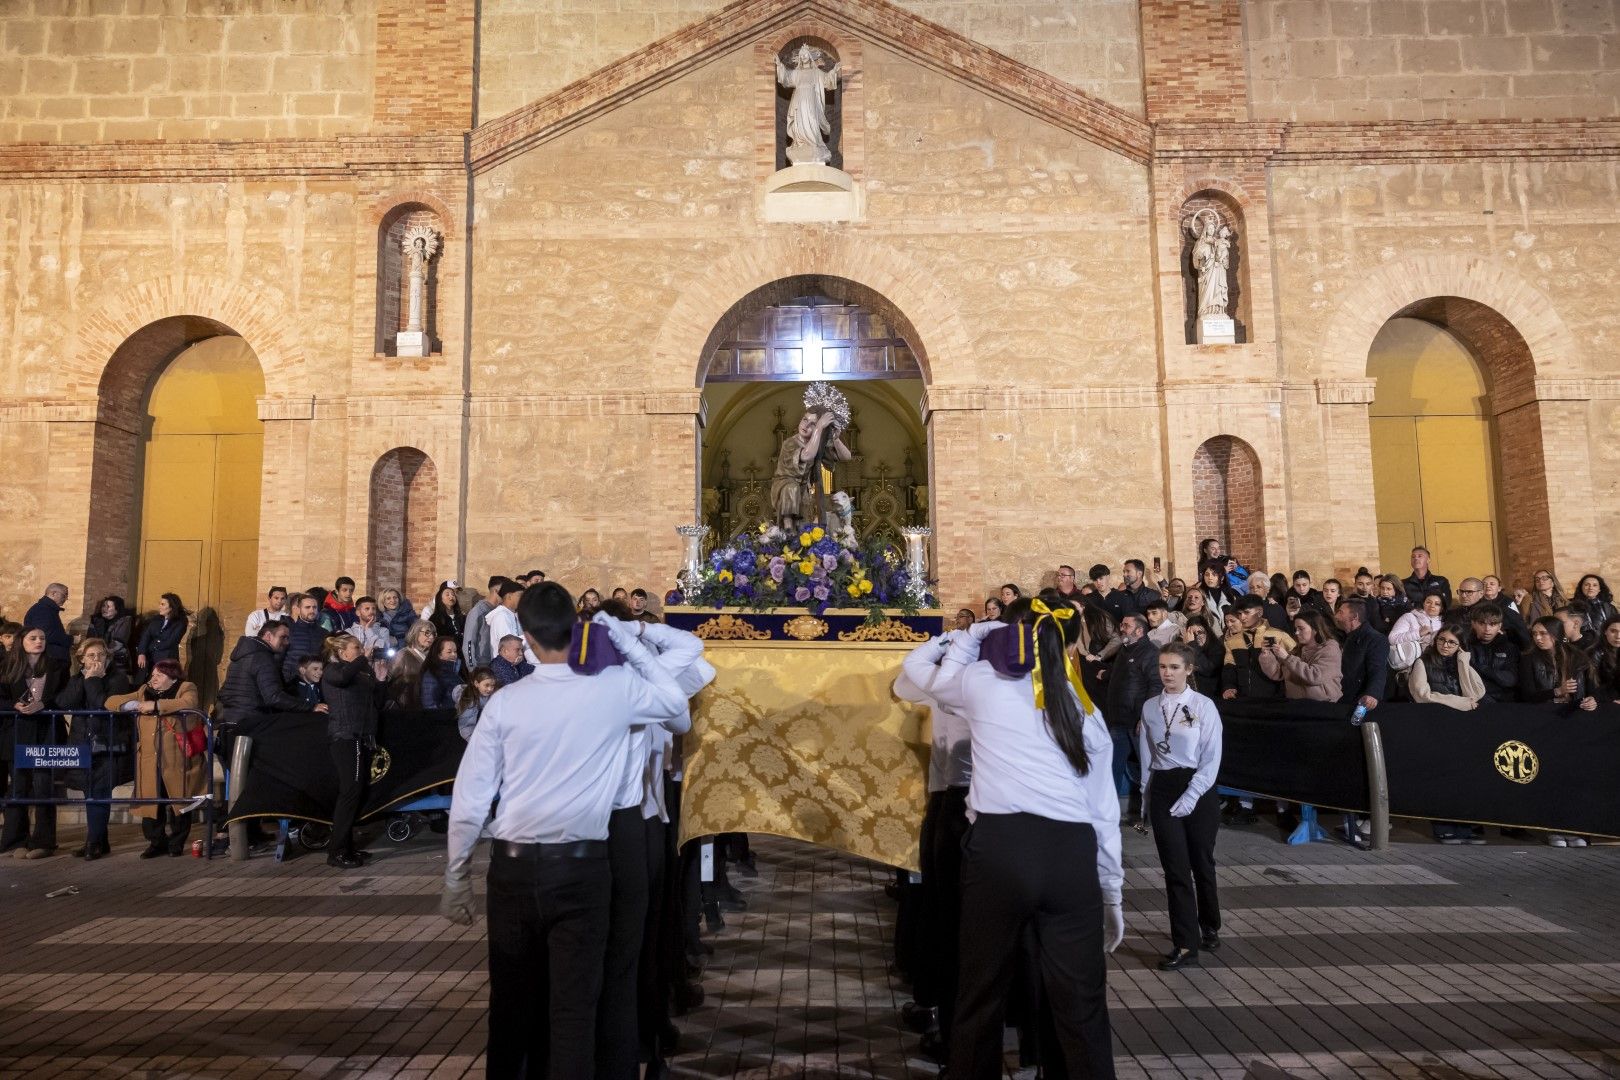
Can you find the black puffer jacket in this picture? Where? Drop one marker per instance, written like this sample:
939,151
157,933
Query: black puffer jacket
306,640
105,734
351,694
1497,664
1132,680
253,684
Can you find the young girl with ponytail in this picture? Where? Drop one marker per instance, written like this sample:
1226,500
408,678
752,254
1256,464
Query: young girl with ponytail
1043,849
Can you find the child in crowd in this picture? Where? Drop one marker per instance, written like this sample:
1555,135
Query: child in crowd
472,697
8,635
509,664
308,688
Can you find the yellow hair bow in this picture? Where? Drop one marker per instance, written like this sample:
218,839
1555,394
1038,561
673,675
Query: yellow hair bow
1062,614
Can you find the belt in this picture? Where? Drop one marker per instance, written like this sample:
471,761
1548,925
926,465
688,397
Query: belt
574,849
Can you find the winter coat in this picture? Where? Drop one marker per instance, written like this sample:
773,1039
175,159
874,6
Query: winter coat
507,672
306,639
104,734
116,632
439,682
1422,687
1310,673
1497,665
351,694
158,741
46,615
1242,671
253,684
161,640
399,620
1132,680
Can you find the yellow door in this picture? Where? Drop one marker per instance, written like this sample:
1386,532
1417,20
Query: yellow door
1432,455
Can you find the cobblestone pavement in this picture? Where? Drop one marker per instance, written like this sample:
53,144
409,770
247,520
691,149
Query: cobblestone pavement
1421,961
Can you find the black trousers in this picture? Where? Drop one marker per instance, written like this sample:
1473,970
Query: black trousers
548,927
943,829
1187,853
1018,871
617,1042
353,767
653,973
167,828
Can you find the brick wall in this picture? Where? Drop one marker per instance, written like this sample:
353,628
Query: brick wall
403,550
1227,499
394,287
209,69
425,65
1193,64
1422,59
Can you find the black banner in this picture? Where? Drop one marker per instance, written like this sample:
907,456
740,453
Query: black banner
1547,767
291,774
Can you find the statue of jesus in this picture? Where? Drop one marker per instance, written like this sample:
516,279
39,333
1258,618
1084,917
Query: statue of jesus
807,125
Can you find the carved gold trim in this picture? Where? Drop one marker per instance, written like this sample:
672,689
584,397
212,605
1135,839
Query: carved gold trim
887,630
730,628
805,628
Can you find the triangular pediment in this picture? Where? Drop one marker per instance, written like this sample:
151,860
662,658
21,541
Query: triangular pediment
876,21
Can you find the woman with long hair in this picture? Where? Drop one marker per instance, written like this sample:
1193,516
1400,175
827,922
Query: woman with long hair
1594,592
1443,675
589,601
1311,671
1043,852
95,679
1546,597
405,677
162,637
165,711
114,624
441,675
1390,603
1218,595
1554,670
447,618
30,683
1179,742
993,607
1413,632
396,612
350,691
1195,609
1209,655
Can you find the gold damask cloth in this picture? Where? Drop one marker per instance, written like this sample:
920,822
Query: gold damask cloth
808,741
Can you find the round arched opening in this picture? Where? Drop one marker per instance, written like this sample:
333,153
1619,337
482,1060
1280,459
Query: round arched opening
1228,498
175,478
1456,442
402,549
758,363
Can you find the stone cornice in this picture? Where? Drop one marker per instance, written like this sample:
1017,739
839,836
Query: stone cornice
878,21
341,157
1386,142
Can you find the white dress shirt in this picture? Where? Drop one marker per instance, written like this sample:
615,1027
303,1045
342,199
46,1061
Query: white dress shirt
1018,768
500,622
674,651
258,617
681,653
552,746
950,756
1181,731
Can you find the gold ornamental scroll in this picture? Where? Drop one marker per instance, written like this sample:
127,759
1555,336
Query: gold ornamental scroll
807,740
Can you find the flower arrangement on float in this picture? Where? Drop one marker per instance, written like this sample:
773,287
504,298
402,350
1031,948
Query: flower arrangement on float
769,569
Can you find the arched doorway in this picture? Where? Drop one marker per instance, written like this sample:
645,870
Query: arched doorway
1456,441
1228,499
176,477
402,552
757,364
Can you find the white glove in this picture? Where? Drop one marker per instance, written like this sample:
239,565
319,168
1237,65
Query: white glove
981,630
457,902
1184,806
617,629
1113,926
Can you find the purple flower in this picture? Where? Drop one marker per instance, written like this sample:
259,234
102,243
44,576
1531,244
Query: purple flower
820,592
801,594
742,580
778,569
829,563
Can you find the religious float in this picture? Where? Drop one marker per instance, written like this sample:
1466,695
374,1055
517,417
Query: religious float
800,734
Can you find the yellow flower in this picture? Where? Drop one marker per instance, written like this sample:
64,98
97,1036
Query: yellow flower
854,590
817,533
807,567
760,560
763,528
724,575
804,540
866,586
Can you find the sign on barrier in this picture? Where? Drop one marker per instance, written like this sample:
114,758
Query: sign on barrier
52,756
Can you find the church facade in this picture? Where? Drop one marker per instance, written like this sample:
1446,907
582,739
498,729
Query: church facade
224,365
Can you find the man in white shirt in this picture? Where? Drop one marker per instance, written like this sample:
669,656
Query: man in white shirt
552,748
502,619
275,610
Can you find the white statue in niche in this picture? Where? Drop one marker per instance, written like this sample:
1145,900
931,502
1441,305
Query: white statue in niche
808,126
418,246
1211,261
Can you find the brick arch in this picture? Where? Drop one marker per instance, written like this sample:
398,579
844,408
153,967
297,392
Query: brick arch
811,28
402,529
1228,497
1225,185
1426,284
113,356
386,203
882,279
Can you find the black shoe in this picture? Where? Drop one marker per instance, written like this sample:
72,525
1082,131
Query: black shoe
747,867
656,1069
688,997
153,851
919,1018
92,852
176,852
344,861
1178,959
725,903
712,918
668,1039
933,1047
1212,941
363,856
83,853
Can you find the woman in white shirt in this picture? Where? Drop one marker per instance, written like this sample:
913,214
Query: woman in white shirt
1180,743
1043,850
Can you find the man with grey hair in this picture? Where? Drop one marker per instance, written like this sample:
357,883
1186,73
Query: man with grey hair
46,615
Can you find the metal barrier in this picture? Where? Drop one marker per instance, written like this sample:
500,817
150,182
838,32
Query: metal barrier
84,757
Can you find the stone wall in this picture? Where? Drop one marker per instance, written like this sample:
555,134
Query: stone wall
167,69
530,48
1423,59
